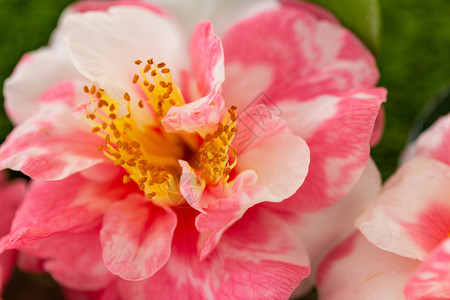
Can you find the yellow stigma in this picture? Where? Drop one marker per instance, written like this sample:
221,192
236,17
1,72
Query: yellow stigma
147,152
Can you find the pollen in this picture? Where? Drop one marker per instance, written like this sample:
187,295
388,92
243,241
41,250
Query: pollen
216,158
148,153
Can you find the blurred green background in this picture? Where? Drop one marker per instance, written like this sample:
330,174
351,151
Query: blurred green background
413,59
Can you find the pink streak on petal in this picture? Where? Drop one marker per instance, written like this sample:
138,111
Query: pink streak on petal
58,206
51,144
73,259
410,215
258,257
343,250
337,129
435,141
432,225
85,6
305,57
319,12
136,237
63,92
359,270
431,280
208,71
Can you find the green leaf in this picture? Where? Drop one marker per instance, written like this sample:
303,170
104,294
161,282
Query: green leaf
362,17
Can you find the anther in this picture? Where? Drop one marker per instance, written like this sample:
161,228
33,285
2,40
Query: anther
126,96
165,71
161,65
126,179
138,62
147,68
92,90
86,89
135,78
95,129
141,104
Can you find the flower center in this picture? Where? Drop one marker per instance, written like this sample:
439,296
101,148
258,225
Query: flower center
147,152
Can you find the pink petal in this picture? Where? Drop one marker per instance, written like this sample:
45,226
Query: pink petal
11,195
208,72
356,269
56,206
258,257
73,259
224,206
378,128
337,129
110,293
431,280
411,215
30,264
7,261
295,53
319,12
136,237
323,230
434,142
51,144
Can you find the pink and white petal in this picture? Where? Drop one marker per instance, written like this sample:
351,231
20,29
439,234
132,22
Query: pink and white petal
286,160
431,280
319,12
33,76
200,116
51,145
293,53
207,60
208,74
258,257
411,215
434,142
358,270
57,206
73,259
136,237
225,205
222,14
337,129
323,230
105,45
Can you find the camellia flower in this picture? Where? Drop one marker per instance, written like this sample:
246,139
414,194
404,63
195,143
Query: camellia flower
404,249
161,152
11,194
